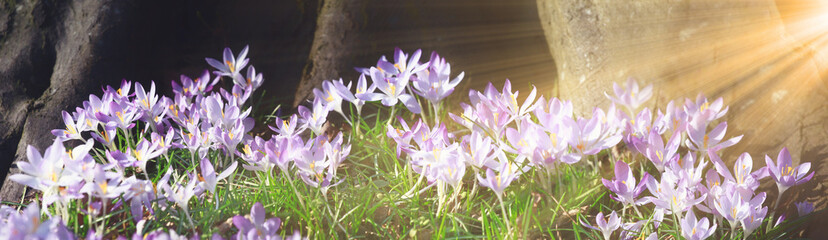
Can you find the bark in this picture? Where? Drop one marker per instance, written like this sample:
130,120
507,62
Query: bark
335,34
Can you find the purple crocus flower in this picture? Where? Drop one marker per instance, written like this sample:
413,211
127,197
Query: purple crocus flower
314,118
733,208
105,185
144,151
696,229
703,110
122,116
140,194
587,136
256,226
804,208
606,225
435,83
361,87
315,166
46,172
631,96
754,220
746,181
703,141
231,66
282,151
670,194
402,137
507,172
659,153
478,151
29,225
505,100
551,114
785,174
73,128
623,184
287,127
107,136
330,96
210,177
181,195
393,90
147,101
253,79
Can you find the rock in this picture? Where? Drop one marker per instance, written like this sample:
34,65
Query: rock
739,50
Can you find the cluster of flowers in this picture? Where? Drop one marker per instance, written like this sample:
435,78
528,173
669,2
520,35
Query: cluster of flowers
102,171
681,184
507,138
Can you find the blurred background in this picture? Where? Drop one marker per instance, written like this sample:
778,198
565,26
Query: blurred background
766,58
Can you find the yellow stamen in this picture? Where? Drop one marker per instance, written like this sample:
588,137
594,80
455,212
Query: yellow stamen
706,140
230,65
104,186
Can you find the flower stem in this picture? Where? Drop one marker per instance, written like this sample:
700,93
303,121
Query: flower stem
290,181
505,216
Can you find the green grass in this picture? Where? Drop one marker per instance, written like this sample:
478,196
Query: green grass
370,203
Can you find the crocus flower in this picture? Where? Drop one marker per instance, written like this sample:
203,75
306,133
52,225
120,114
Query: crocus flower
659,153
551,114
478,151
147,101
804,208
785,174
361,87
181,195
144,151
586,135
754,220
256,227
253,80
45,172
231,66
393,91
623,185
605,225
507,172
703,141
107,136
631,96
210,178
696,229
704,111
73,128
120,95
745,180
733,208
669,194
506,100
435,83
330,96
29,225
140,194
105,185
314,118
287,127
315,166
122,116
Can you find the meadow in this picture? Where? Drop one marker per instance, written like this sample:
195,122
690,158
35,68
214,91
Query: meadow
391,155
